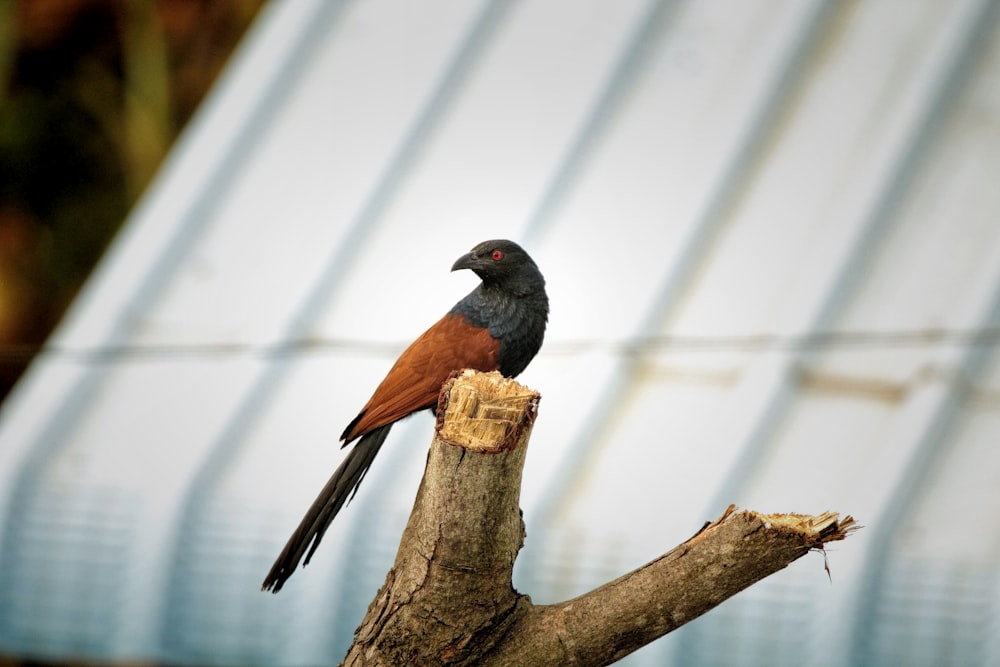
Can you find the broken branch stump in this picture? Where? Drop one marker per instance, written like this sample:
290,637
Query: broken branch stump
448,598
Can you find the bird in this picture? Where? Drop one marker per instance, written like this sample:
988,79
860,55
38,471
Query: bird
498,326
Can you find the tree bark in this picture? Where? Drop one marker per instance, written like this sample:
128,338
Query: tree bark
448,599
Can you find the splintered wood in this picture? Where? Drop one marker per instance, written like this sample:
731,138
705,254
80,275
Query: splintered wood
485,412
820,529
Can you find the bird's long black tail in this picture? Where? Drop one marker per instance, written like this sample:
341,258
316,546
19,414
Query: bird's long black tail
341,488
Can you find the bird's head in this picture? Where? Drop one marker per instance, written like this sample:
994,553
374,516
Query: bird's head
502,263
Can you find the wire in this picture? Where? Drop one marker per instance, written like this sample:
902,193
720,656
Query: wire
11,354
642,346
769,342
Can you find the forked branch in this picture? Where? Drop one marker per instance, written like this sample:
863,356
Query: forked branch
449,599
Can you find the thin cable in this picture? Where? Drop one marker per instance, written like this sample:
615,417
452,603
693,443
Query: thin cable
637,347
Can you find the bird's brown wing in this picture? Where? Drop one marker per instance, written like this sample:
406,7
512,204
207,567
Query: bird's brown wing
414,381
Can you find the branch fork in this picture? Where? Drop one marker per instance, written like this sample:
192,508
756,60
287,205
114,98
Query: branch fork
448,598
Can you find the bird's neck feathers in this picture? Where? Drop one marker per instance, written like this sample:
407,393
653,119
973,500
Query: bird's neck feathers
515,315
500,308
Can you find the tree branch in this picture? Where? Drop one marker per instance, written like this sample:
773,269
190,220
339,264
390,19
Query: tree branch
726,556
449,599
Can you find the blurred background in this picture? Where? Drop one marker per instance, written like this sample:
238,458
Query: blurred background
770,237
92,95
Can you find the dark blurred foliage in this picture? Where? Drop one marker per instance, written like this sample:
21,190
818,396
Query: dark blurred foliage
92,95
12,662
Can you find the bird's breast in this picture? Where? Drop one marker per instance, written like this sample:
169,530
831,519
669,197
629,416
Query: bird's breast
518,323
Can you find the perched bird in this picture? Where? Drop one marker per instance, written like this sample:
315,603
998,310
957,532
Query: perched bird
497,326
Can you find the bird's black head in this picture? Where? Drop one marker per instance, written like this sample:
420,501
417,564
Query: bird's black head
511,301
502,263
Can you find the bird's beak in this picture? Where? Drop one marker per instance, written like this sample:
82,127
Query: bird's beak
466,261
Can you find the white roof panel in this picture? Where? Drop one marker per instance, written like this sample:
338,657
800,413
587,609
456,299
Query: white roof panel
769,235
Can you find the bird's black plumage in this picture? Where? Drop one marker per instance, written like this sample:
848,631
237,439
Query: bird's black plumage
510,303
498,326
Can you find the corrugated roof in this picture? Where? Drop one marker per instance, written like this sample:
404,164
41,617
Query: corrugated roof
769,234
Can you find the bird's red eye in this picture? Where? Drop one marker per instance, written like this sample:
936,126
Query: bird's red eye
497,255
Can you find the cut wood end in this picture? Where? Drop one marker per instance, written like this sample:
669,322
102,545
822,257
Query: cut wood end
484,412
815,530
